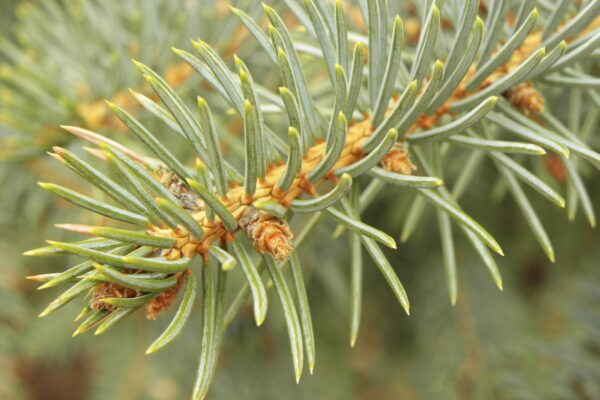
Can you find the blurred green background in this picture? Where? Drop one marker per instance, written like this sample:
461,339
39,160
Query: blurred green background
538,339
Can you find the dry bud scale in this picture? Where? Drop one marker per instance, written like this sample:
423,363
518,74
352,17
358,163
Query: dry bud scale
210,213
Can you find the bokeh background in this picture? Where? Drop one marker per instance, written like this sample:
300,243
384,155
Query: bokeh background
59,59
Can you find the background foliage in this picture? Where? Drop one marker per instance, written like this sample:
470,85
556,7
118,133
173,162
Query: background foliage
539,338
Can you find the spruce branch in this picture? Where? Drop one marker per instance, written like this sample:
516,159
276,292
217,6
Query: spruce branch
199,214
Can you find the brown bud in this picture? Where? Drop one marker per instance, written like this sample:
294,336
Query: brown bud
526,97
164,300
107,290
269,234
398,160
154,307
556,168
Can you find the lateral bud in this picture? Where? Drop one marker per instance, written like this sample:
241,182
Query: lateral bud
526,97
269,234
398,161
107,290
